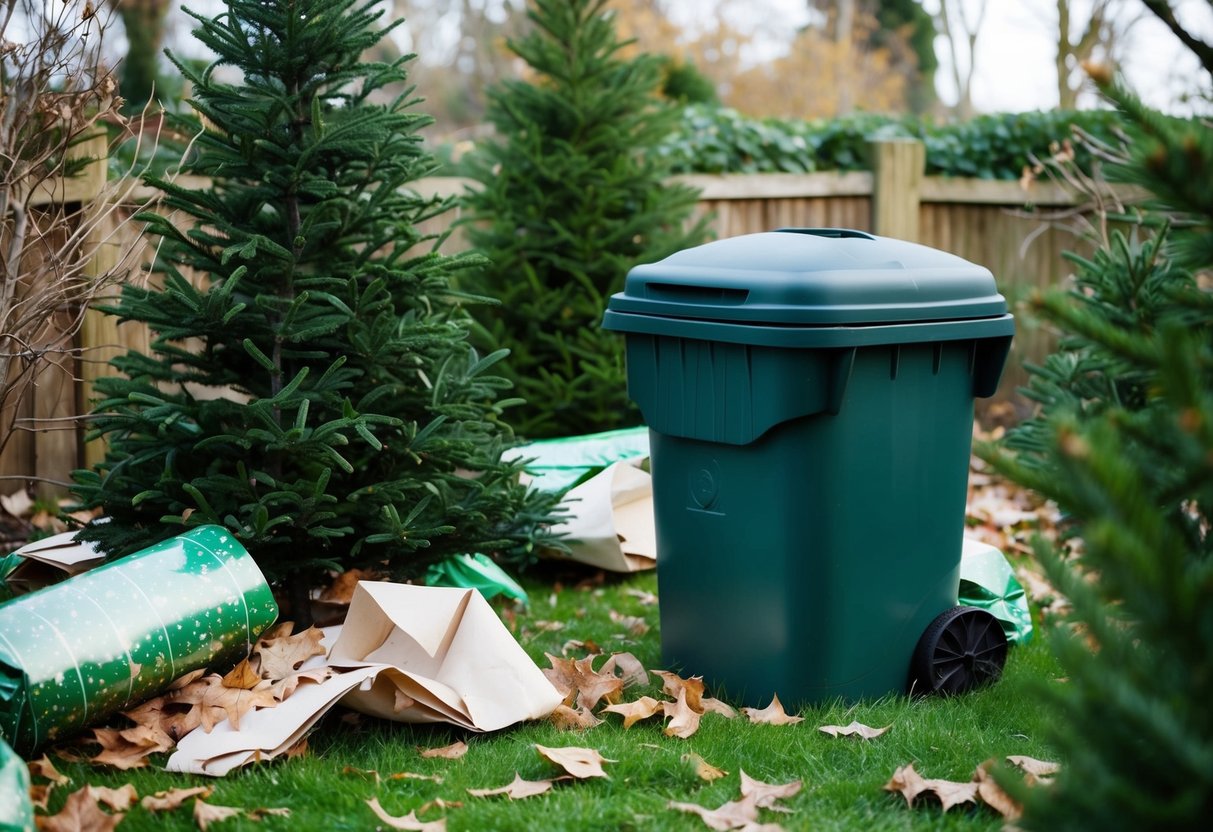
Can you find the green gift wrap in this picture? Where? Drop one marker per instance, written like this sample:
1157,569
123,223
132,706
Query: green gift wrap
78,651
16,812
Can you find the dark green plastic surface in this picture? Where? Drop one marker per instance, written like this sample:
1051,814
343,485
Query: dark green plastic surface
809,483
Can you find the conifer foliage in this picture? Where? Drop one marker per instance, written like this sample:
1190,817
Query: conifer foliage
570,197
315,393
1124,445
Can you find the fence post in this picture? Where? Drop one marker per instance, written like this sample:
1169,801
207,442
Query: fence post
897,173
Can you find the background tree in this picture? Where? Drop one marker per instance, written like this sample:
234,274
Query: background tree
145,23
314,392
960,24
1124,445
569,199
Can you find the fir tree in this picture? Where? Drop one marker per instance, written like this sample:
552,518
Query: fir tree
569,199
1124,445
316,394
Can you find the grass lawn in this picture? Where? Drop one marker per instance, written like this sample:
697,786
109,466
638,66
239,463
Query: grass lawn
944,738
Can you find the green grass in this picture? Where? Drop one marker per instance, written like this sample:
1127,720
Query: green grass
944,738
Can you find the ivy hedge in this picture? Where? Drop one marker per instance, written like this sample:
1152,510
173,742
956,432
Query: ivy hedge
721,140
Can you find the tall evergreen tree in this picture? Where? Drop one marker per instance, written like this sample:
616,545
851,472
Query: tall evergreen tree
1124,445
571,197
316,393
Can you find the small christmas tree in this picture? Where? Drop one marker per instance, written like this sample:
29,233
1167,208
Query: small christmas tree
569,200
316,394
1124,445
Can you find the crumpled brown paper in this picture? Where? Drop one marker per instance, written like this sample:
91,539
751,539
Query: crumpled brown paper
610,519
405,653
50,560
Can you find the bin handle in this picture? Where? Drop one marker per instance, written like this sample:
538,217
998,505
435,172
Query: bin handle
715,295
835,233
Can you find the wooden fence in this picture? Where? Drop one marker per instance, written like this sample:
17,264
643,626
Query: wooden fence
1000,225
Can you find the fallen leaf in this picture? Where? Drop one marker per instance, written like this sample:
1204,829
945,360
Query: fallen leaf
341,590
548,626
631,671
907,782
577,680
43,767
633,712
993,795
672,684
409,775
409,821
171,799
362,772
80,814
735,814
684,721
299,749
715,706
517,789
277,812
579,762
952,794
765,795
635,625
17,504
215,702
117,799
855,729
645,598
207,813
283,688
1030,765
40,795
120,752
772,714
567,719
278,656
242,676
910,784
703,769
439,803
447,752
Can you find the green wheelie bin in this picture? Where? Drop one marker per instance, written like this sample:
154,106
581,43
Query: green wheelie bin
809,396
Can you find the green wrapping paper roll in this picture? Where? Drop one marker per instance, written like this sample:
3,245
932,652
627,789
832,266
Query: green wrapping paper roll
76,652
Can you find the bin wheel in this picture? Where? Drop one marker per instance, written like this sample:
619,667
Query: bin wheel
963,648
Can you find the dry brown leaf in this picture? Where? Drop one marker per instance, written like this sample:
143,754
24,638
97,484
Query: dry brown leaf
684,721
1030,765
772,714
410,775
40,795
907,782
215,702
993,795
439,803
43,767
563,676
855,729
715,706
117,799
736,814
242,676
263,812
703,769
910,784
207,813
548,626
79,814
765,795
953,794
447,752
646,599
171,799
166,721
633,712
672,684
577,680
17,504
579,762
341,590
299,749
635,625
567,719
518,789
408,822
631,671
283,688
119,752
278,656
362,772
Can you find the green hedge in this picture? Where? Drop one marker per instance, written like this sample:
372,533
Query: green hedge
721,140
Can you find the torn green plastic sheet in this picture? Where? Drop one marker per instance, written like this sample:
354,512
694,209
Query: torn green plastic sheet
16,812
475,572
74,653
987,581
559,464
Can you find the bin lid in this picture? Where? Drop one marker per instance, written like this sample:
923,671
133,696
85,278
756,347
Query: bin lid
811,277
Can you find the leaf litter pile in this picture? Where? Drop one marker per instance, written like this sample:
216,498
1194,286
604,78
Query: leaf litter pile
997,513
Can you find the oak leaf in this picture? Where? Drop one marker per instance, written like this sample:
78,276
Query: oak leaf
80,814
736,814
765,795
684,721
633,712
117,799
242,676
407,822
703,769
278,656
855,729
582,763
672,684
215,702
167,801
518,789
567,719
772,714
120,752
43,767
207,813
447,752
580,684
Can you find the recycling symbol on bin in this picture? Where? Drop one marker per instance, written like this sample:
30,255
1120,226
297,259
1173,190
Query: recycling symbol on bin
705,484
